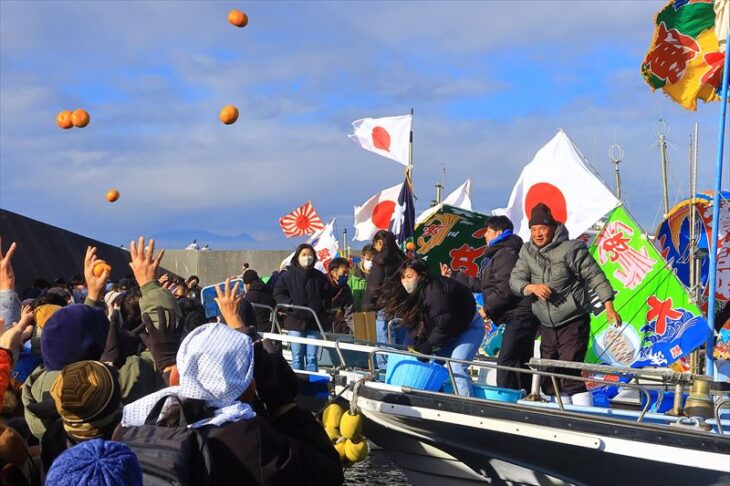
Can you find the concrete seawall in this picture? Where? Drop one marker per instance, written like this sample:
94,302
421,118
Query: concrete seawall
215,266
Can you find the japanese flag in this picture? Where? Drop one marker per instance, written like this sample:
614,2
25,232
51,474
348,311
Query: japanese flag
389,136
558,177
325,245
376,214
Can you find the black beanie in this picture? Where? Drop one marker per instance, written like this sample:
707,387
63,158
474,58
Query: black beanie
541,215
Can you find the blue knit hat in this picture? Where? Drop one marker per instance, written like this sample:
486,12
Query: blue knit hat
96,462
73,333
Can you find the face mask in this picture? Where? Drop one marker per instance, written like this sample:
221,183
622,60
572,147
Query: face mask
306,261
79,295
367,265
342,280
409,285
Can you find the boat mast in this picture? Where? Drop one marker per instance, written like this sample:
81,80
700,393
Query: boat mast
712,277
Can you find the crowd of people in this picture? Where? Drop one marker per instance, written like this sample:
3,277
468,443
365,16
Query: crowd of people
113,382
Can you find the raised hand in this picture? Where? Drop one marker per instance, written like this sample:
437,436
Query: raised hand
144,264
445,270
94,284
164,339
7,277
229,302
13,338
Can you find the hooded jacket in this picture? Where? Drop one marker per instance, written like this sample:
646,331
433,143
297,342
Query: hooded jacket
306,287
449,308
569,270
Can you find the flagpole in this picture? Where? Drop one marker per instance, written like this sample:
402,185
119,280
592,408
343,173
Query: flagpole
409,169
709,358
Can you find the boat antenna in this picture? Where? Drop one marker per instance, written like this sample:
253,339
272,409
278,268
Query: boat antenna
661,127
616,154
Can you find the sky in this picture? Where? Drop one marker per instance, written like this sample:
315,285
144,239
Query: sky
489,83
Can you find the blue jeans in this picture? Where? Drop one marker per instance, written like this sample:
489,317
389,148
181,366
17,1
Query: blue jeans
397,333
464,346
299,351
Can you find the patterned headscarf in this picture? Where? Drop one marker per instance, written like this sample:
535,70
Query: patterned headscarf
215,365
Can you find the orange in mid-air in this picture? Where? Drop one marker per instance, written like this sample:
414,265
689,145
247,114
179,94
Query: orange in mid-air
80,118
237,18
410,246
99,268
229,114
64,119
112,195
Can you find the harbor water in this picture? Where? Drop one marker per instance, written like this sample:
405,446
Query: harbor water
377,469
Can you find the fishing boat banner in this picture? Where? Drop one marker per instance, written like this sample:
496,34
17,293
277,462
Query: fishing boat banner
661,322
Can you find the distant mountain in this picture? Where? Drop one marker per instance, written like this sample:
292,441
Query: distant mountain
179,239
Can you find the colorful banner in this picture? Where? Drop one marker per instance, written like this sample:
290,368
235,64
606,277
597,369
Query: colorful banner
684,59
660,322
455,237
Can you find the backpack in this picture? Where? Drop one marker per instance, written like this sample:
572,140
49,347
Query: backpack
169,456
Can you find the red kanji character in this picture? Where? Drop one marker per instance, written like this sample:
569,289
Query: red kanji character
613,245
715,61
668,59
661,310
432,230
464,257
323,255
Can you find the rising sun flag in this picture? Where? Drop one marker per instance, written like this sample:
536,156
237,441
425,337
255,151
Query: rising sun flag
685,59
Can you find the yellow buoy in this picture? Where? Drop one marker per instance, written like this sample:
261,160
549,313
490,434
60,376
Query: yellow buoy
332,433
351,425
332,415
356,451
340,448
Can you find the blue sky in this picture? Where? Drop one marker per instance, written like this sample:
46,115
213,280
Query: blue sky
490,83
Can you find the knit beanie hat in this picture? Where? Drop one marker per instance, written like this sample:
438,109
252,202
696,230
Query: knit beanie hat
88,399
96,463
541,215
73,333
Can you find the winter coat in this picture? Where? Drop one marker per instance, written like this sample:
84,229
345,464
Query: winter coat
449,308
292,449
357,281
500,304
260,293
137,378
339,317
569,270
307,287
380,270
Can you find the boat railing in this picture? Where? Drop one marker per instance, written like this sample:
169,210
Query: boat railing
718,406
271,314
339,346
297,307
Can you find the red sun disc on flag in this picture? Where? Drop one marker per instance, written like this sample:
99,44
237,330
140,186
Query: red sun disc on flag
381,139
382,214
551,196
302,221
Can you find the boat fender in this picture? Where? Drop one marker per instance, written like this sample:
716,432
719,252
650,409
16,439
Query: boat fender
356,451
332,415
351,425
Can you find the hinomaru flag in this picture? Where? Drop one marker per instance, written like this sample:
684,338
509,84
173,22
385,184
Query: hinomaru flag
558,178
389,136
685,59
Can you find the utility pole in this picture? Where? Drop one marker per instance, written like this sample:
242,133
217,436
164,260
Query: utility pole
662,130
616,154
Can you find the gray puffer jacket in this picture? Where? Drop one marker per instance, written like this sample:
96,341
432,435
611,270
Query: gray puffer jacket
568,269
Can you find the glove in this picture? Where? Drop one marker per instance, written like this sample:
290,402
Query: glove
162,341
276,383
112,353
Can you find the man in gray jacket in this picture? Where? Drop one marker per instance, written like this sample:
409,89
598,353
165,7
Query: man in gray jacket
558,273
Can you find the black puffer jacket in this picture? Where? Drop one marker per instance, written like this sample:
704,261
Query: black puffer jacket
500,303
307,287
260,293
380,270
449,308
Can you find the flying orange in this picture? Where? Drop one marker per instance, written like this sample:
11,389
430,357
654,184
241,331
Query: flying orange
229,114
112,195
237,18
64,119
80,118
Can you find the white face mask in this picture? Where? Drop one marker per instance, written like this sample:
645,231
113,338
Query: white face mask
306,260
409,285
367,265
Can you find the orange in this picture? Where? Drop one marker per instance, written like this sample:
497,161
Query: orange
112,195
64,120
80,118
410,246
229,114
237,18
99,268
